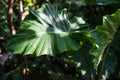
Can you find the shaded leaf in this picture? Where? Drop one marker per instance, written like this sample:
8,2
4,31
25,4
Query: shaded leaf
110,64
107,30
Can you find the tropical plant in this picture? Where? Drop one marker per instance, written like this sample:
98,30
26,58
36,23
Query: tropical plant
48,31
45,31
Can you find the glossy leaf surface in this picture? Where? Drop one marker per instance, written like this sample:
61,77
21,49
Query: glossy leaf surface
45,31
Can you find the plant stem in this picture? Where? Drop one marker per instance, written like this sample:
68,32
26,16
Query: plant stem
87,64
20,10
9,17
103,62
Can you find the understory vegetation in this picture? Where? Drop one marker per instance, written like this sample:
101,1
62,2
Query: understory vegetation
59,40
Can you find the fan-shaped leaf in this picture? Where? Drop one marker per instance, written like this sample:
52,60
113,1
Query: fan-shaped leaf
45,31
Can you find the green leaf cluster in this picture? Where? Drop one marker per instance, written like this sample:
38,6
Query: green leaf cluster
48,31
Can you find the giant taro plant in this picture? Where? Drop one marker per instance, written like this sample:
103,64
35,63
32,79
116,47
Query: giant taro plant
48,31
45,31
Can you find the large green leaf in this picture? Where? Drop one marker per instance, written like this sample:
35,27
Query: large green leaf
108,30
45,31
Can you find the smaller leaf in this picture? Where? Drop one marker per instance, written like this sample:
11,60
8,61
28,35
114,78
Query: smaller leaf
107,32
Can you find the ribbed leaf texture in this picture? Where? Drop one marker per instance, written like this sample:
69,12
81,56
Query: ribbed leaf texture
45,31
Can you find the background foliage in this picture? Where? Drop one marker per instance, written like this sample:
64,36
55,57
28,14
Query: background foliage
87,46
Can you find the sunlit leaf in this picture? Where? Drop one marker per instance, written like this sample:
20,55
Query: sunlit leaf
45,31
